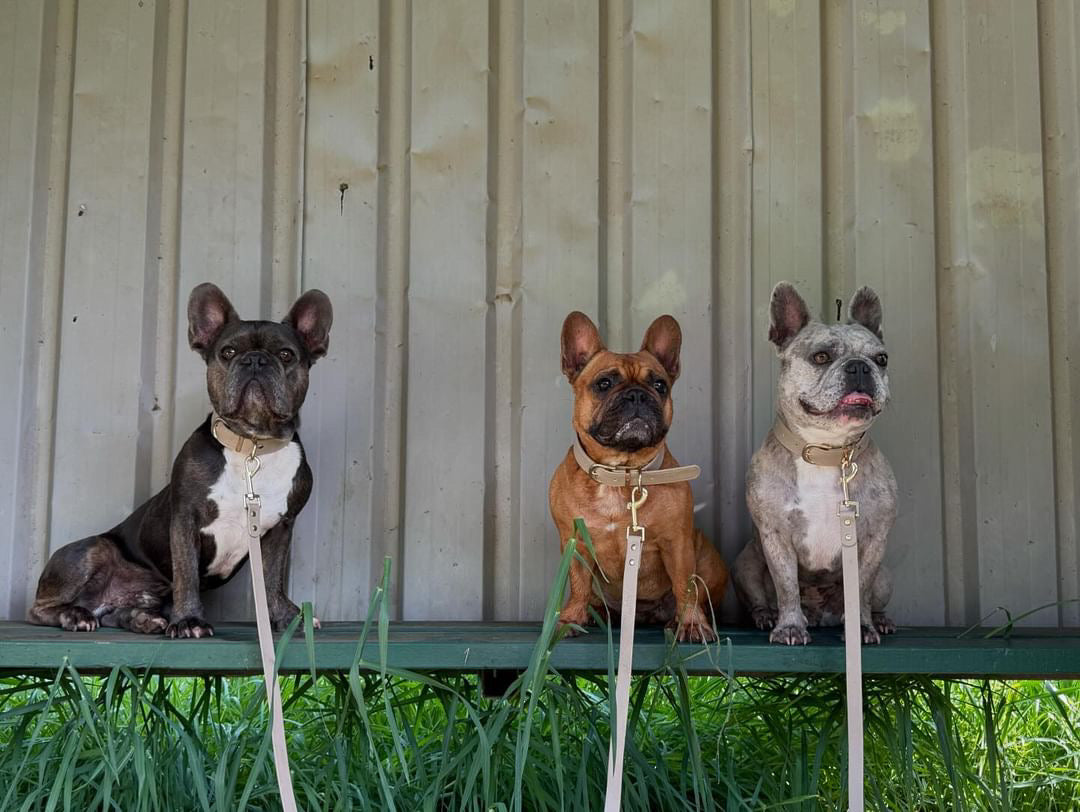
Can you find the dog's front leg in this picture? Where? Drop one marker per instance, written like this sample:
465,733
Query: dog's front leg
186,619
275,550
871,554
580,578
784,567
680,559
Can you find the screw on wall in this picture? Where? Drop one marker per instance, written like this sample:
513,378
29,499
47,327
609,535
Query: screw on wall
343,188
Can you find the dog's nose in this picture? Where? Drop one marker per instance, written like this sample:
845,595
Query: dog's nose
858,373
256,359
634,396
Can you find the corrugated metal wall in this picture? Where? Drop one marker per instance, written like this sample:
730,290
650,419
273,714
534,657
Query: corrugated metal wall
458,175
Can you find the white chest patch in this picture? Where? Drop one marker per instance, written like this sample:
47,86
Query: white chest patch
273,483
818,495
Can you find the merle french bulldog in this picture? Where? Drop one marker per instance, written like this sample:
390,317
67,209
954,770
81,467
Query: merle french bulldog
833,384
146,573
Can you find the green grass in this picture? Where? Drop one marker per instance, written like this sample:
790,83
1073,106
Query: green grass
377,739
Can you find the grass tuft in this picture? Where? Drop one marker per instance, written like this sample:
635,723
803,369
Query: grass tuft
380,738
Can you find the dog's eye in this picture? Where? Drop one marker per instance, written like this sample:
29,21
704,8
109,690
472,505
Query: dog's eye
660,387
603,384
881,359
228,353
820,358
286,355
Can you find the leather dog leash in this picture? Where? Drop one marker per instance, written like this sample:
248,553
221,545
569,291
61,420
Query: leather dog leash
252,449
637,479
847,511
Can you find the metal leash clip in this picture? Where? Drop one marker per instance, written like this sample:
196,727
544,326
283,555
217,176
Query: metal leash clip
637,498
848,469
252,500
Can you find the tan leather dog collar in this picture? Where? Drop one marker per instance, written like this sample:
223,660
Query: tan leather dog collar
240,444
620,477
828,455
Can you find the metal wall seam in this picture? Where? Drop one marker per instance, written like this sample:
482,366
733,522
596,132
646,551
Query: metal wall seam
161,299
502,555
42,340
734,326
1059,38
616,50
392,269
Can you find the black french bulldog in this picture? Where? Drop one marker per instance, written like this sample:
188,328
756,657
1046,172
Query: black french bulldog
146,573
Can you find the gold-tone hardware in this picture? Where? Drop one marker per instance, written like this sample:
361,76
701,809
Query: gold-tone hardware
637,498
626,473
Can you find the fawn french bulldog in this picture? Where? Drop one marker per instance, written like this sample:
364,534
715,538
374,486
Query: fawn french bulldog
622,413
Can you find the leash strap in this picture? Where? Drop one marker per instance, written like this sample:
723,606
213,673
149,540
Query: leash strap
637,479
635,546
253,508
848,511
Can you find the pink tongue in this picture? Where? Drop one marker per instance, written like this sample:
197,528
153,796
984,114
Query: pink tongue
857,399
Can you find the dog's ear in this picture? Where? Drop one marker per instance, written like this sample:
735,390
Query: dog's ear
787,313
580,342
311,317
209,310
663,340
865,309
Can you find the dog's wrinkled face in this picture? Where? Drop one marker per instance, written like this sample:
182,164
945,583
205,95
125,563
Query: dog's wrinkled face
622,401
834,378
257,371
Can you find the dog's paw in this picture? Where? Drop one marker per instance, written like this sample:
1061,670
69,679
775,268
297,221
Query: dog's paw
148,623
884,624
189,627
693,627
790,635
764,617
77,619
570,621
281,616
282,613
694,631
870,636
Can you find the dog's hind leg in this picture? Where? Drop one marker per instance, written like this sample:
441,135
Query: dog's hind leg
135,619
713,575
749,574
71,585
879,599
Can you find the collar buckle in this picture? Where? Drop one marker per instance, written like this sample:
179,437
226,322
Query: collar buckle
628,473
810,448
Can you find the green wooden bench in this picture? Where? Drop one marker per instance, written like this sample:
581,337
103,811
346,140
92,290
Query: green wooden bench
475,647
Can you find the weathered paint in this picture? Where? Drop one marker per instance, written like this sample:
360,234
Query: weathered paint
458,176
